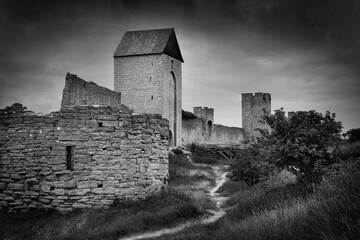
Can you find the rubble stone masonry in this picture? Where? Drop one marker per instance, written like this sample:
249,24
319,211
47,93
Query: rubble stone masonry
80,157
78,92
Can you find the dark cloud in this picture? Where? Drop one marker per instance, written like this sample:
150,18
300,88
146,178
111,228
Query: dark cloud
306,48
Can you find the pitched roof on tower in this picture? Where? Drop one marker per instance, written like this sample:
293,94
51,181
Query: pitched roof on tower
145,42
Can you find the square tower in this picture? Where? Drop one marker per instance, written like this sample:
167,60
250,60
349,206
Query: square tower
254,107
147,72
207,115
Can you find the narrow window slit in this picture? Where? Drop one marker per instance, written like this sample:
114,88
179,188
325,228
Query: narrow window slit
69,153
100,185
100,124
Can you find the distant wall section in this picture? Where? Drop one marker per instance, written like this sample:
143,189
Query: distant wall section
78,92
80,157
199,128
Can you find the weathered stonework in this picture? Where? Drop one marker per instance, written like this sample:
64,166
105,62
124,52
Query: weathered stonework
254,107
147,85
78,92
114,154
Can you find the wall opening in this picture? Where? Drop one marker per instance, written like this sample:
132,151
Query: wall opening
100,124
171,139
210,127
69,154
174,107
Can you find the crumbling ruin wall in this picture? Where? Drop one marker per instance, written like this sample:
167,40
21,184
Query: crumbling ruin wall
78,92
79,157
193,131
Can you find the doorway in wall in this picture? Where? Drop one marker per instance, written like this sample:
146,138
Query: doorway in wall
171,139
210,127
174,107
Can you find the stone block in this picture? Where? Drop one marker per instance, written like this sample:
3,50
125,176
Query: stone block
32,193
59,191
16,186
15,176
58,168
17,202
64,209
92,123
106,191
78,192
9,199
45,188
106,201
110,123
80,205
86,184
44,200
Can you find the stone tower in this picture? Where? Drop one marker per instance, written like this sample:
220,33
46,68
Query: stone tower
254,107
207,115
147,66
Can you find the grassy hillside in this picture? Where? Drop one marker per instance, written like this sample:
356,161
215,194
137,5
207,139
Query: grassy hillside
328,211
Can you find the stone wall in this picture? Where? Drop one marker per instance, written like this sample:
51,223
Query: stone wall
254,107
194,132
79,157
78,92
147,85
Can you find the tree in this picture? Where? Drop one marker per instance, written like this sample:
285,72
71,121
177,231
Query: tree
249,165
353,135
304,143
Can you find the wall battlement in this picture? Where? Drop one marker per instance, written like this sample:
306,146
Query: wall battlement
254,107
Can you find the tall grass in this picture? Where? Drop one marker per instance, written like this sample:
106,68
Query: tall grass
154,212
331,212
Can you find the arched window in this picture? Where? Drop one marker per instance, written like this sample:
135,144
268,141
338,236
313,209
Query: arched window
174,108
210,127
171,139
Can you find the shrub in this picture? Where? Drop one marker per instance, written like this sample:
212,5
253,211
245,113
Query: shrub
300,143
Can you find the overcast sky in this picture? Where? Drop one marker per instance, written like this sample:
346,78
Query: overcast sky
305,53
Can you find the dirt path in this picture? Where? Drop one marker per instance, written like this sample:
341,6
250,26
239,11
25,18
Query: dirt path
216,214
